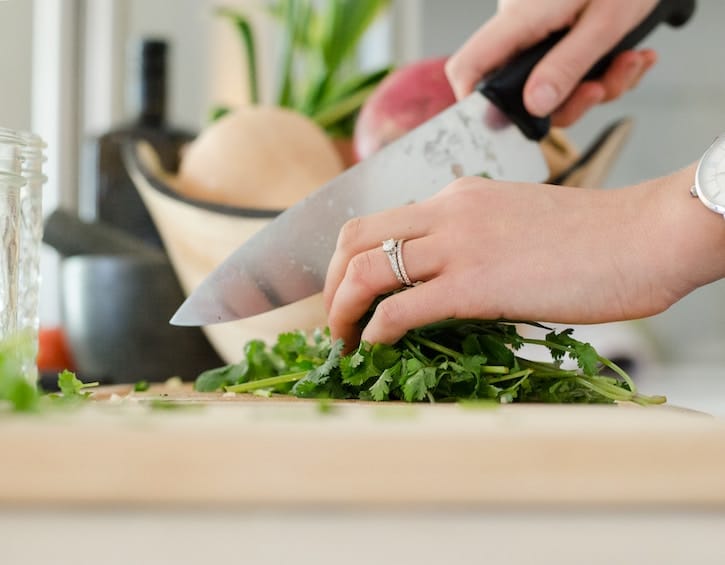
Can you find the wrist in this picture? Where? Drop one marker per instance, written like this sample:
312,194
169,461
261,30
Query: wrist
690,237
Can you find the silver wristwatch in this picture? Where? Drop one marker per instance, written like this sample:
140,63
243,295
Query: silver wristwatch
709,184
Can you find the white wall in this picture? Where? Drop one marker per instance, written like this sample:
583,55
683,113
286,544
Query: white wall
184,24
206,62
16,19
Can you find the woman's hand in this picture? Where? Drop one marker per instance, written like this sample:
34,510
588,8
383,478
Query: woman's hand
487,249
555,86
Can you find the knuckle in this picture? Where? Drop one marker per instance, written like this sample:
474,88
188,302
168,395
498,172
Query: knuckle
334,319
359,269
349,234
565,74
389,315
458,185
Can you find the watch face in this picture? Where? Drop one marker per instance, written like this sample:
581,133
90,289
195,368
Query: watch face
710,176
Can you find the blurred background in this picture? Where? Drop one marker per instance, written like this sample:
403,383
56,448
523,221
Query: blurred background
71,74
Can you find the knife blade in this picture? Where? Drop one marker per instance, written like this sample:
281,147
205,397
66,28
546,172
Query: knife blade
287,260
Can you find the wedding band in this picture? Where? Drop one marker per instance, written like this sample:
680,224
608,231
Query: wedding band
393,249
401,265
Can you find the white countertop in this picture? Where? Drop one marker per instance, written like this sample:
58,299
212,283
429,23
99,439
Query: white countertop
699,387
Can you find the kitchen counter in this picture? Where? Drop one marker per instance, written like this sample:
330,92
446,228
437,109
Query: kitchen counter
271,481
695,386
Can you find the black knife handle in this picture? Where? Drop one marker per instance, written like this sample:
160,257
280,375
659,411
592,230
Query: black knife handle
505,86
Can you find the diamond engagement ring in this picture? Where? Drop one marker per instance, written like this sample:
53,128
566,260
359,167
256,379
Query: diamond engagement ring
394,250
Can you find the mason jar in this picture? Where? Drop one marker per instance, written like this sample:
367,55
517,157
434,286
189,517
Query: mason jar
21,224
11,182
31,235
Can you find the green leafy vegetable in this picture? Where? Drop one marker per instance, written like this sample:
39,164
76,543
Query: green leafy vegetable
320,76
141,386
72,388
16,390
454,360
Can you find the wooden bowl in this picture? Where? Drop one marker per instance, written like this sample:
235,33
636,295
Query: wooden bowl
198,236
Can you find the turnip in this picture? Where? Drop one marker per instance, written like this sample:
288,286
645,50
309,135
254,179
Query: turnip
262,157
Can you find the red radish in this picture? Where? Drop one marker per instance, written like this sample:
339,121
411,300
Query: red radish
406,98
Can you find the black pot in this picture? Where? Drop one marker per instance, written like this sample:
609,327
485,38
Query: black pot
116,311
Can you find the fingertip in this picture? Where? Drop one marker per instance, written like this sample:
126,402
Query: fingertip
460,85
542,98
494,43
350,341
650,59
388,322
650,56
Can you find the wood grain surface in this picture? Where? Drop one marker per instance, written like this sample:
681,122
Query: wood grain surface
248,450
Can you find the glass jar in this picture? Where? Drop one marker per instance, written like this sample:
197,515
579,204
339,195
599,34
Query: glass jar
22,178
11,182
31,235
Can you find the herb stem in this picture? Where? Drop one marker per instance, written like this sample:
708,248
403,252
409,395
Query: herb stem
436,346
266,383
415,351
611,395
547,369
645,400
614,367
495,370
510,376
489,369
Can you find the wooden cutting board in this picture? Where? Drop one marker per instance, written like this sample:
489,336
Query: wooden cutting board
248,450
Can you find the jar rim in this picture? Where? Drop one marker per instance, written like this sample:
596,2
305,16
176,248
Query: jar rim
27,139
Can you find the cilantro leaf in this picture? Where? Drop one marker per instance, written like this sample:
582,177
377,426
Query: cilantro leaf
217,379
418,383
380,390
71,387
584,354
321,374
367,362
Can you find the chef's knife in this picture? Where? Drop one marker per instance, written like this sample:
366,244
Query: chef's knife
287,260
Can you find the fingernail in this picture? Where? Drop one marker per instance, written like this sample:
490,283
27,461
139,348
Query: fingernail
544,99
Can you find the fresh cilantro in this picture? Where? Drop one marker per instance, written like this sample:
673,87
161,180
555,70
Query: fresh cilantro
366,363
381,387
453,360
15,389
215,379
318,376
71,387
419,382
141,386
583,353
